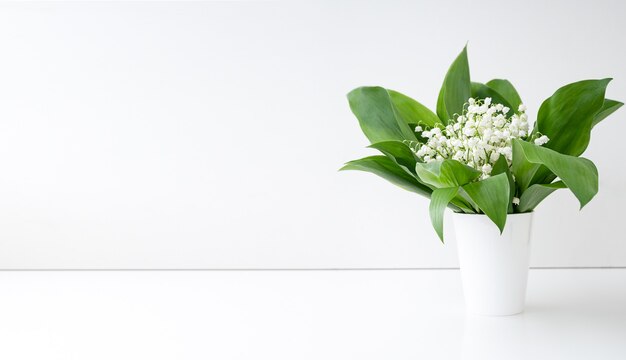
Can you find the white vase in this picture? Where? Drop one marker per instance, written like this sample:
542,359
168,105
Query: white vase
494,266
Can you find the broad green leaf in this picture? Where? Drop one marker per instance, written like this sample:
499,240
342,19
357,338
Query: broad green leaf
523,170
542,175
389,170
378,116
567,116
412,111
492,197
535,194
579,174
482,91
446,173
456,89
399,152
462,204
502,166
438,202
507,90
608,107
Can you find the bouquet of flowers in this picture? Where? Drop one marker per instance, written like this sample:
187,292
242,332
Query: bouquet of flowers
478,154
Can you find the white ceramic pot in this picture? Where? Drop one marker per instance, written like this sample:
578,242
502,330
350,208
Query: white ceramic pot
494,266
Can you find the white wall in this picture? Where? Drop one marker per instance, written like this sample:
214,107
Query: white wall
208,135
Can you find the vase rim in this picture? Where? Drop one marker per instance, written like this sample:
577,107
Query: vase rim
513,214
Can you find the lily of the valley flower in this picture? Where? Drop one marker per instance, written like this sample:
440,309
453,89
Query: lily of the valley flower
478,137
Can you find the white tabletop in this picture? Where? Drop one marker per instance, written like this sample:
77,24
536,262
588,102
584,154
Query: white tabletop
388,314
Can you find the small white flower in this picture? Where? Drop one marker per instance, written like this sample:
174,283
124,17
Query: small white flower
515,201
469,131
506,151
478,137
541,140
521,108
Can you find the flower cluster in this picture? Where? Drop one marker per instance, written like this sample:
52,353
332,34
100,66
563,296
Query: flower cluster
478,137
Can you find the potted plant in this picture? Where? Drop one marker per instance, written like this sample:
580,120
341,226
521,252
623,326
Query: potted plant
479,155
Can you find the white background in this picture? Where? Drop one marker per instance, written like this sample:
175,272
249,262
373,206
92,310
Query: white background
208,135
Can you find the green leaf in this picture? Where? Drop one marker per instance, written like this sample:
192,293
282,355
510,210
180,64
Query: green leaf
399,152
446,173
389,170
438,203
412,111
608,107
507,90
482,91
523,170
501,166
379,118
567,116
536,193
492,197
456,89
579,174
461,204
